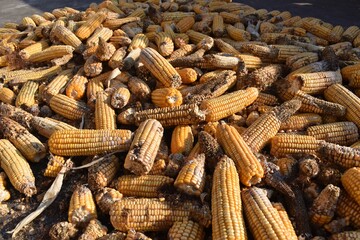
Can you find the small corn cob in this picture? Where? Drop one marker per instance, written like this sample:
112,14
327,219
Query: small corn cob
251,62
139,41
237,34
31,147
4,194
354,80
63,230
116,60
350,180
105,117
104,33
117,23
94,230
54,166
301,121
158,167
182,139
93,66
50,53
347,71
324,206
160,68
68,37
149,186
186,229
16,168
120,97
351,33
172,116
139,88
348,207
342,133
265,127
227,218
101,174
346,157
228,104
191,178
105,197
335,34
37,47
144,147
105,50
89,142
183,51
346,235
283,145
26,96
166,97
55,86
86,29
27,21
164,43
188,75
185,24
82,207
339,94
7,95
76,87
133,235
68,107
249,168
47,126
287,166
263,78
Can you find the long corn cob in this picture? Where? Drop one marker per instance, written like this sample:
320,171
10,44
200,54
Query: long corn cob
301,121
182,140
90,25
348,207
346,157
27,93
89,142
51,53
105,117
68,107
27,52
47,126
283,145
101,174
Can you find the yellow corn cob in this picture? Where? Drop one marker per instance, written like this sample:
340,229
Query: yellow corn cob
280,17
133,235
76,87
82,207
195,37
166,97
249,168
117,23
7,95
105,117
158,167
354,80
324,206
27,52
3,61
285,220
49,16
287,166
347,71
144,147
225,47
186,229
103,32
16,168
351,33
176,16
68,107
188,75
264,220
55,86
342,133
89,142
335,34
47,126
348,207
154,28
356,41
4,194
265,127
111,5
228,104
160,68
285,51
68,37
182,140
301,121
27,21
237,34
31,147
149,186
101,174
348,235
302,59
311,68
164,43
218,26
120,97
317,29
38,74
38,19
139,41
339,94
86,29
230,18
251,62
116,60
283,145
51,53
105,50
185,24
350,180
54,166
105,197
227,218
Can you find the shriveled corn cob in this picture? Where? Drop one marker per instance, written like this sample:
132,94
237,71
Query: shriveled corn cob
50,53
301,121
339,94
7,95
287,144
116,60
82,208
262,78
346,157
211,148
149,186
348,207
144,147
120,97
249,168
27,52
350,33
30,147
105,197
186,229
182,139
285,220
160,68
16,168
104,50
68,107
287,166
265,127
76,87
237,34
101,174
89,142
172,116
86,29
166,97
47,126
55,86
264,220
164,43
342,133
185,24
158,167
105,117
104,33
183,51
93,230
37,74
302,59
324,206
4,194
93,66
95,85
191,178
54,166
228,104
68,37
251,62
134,235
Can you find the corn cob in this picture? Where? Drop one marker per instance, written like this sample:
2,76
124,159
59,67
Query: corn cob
225,47
160,68
7,95
354,80
89,142
105,197
101,174
149,186
139,41
166,97
262,78
228,104
339,94
348,235
37,74
82,207
139,88
47,126
16,168
86,29
104,50
237,34
154,28
4,194
55,86
117,23
285,220
356,41
105,117
144,147
120,97
350,181
256,137
68,38
104,33
68,107
116,60
37,47
27,21
195,37
350,33
346,157
287,166
301,121
133,235
348,207
286,144
188,75
31,147
251,62
63,230
76,87
172,116
249,168
342,133
302,59
347,71
191,178
186,229
158,167
51,53
93,66
182,139
317,29
94,230
54,166
264,220
324,206
95,85
164,43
